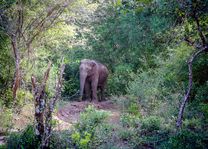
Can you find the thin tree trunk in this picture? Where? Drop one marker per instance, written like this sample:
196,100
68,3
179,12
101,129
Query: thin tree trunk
50,109
40,103
43,111
17,74
186,97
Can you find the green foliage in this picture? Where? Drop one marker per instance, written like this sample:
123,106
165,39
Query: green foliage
163,83
128,104
204,108
3,146
151,123
118,81
85,129
83,142
71,81
25,139
187,139
103,136
128,134
192,124
23,97
201,92
128,120
6,66
61,140
7,98
90,119
141,42
6,119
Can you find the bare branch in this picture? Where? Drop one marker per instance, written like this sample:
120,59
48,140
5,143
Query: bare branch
199,28
186,96
50,108
46,75
33,80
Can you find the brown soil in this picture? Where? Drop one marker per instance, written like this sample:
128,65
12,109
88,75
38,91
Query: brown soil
66,116
70,113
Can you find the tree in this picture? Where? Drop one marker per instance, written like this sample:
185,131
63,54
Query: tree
194,12
24,22
45,107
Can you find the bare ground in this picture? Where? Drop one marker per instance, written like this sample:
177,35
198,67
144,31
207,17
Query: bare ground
65,116
70,113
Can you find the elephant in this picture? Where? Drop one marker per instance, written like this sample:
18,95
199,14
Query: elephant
93,77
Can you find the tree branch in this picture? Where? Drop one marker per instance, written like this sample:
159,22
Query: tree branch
50,108
186,96
199,29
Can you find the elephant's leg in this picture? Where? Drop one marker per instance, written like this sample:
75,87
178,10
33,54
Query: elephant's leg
102,88
87,90
101,93
94,85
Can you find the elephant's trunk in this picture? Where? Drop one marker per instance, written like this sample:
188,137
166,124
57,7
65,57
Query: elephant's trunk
83,77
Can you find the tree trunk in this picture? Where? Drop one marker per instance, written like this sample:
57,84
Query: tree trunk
17,74
186,97
40,103
43,110
50,109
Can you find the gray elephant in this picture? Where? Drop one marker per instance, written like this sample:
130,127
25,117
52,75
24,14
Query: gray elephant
93,76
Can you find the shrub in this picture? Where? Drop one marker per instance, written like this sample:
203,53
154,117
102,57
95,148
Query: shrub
5,119
193,123
119,80
7,98
128,104
202,94
151,123
71,83
127,134
3,146
23,96
129,120
187,139
85,129
204,108
61,140
25,139
103,136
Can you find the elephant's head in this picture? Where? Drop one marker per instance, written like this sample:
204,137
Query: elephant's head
86,69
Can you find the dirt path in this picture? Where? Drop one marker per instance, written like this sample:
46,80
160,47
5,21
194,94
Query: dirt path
69,114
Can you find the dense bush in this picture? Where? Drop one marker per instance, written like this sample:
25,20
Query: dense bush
25,139
118,81
71,80
6,119
85,129
7,98
187,139
61,140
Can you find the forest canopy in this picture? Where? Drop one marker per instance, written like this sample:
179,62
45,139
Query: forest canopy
156,54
